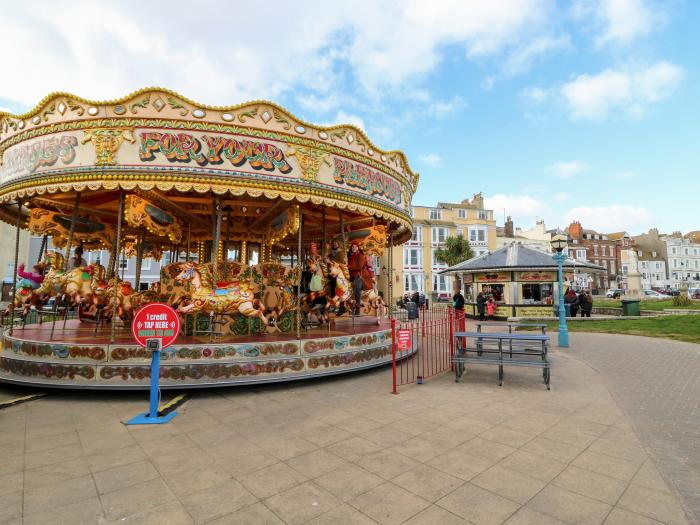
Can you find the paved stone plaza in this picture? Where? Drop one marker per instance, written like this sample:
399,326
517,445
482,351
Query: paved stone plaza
341,451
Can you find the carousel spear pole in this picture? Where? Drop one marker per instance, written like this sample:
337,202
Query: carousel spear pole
139,258
325,240
73,220
42,248
117,243
14,273
187,256
342,233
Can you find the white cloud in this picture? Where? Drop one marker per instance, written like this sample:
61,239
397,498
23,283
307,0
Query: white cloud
345,118
594,97
431,159
620,22
441,109
523,58
567,170
561,197
534,95
617,217
524,209
102,49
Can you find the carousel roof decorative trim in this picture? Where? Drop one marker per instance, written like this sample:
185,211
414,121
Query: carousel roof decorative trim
63,106
517,257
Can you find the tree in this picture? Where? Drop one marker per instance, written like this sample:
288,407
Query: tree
456,250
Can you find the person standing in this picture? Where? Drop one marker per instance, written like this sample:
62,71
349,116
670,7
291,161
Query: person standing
77,260
573,301
586,301
357,261
481,305
491,308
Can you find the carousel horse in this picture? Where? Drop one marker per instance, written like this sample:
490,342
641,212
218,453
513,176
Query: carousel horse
342,292
235,296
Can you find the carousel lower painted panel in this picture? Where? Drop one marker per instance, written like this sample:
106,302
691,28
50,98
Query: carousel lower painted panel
45,372
125,366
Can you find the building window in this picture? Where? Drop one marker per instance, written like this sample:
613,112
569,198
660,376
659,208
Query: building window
653,254
439,235
612,267
146,263
673,251
435,214
441,283
603,251
413,282
581,254
460,232
686,251
417,234
462,213
412,257
595,250
123,263
437,264
483,214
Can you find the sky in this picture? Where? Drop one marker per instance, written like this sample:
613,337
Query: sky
583,110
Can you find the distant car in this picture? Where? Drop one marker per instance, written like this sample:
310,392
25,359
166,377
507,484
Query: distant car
694,293
614,293
653,294
672,292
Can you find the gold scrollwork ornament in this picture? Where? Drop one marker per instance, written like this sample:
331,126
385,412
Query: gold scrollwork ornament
106,142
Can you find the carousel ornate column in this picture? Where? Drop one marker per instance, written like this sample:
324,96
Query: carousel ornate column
73,220
117,247
390,275
14,273
216,241
299,241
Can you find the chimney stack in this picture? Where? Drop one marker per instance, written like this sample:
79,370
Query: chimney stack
509,228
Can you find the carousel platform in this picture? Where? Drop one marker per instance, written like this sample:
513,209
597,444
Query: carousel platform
78,356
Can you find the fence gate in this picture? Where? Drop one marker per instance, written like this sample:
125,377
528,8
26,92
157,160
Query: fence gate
423,347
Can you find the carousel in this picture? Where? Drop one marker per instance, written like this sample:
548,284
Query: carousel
266,228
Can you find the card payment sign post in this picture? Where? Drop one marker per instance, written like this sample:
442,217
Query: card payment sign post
403,339
155,327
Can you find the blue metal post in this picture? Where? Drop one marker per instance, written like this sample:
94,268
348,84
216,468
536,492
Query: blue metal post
560,257
155,380
151,417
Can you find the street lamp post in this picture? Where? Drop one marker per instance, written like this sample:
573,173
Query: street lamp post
558,244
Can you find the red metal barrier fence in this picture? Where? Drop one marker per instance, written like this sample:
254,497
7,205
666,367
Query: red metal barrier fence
423,347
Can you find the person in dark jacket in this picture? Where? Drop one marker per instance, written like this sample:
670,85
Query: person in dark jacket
481,306
572,300
586,302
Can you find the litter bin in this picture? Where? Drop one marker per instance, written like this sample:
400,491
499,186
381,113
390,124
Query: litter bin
567,310
412,310
630,308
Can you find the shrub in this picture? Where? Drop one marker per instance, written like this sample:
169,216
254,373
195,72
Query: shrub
682,301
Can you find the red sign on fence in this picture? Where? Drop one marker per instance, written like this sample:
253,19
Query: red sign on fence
156,321
403,339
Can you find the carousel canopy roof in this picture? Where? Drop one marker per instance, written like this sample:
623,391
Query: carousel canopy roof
180,156
517,257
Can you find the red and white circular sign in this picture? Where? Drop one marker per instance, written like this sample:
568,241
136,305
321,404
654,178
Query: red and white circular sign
156,321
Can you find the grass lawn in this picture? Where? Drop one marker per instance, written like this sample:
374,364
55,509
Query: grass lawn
678,327
647,304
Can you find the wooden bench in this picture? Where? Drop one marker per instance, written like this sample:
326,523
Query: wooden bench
502,349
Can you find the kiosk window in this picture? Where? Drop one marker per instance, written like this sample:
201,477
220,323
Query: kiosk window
536,292
495,290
